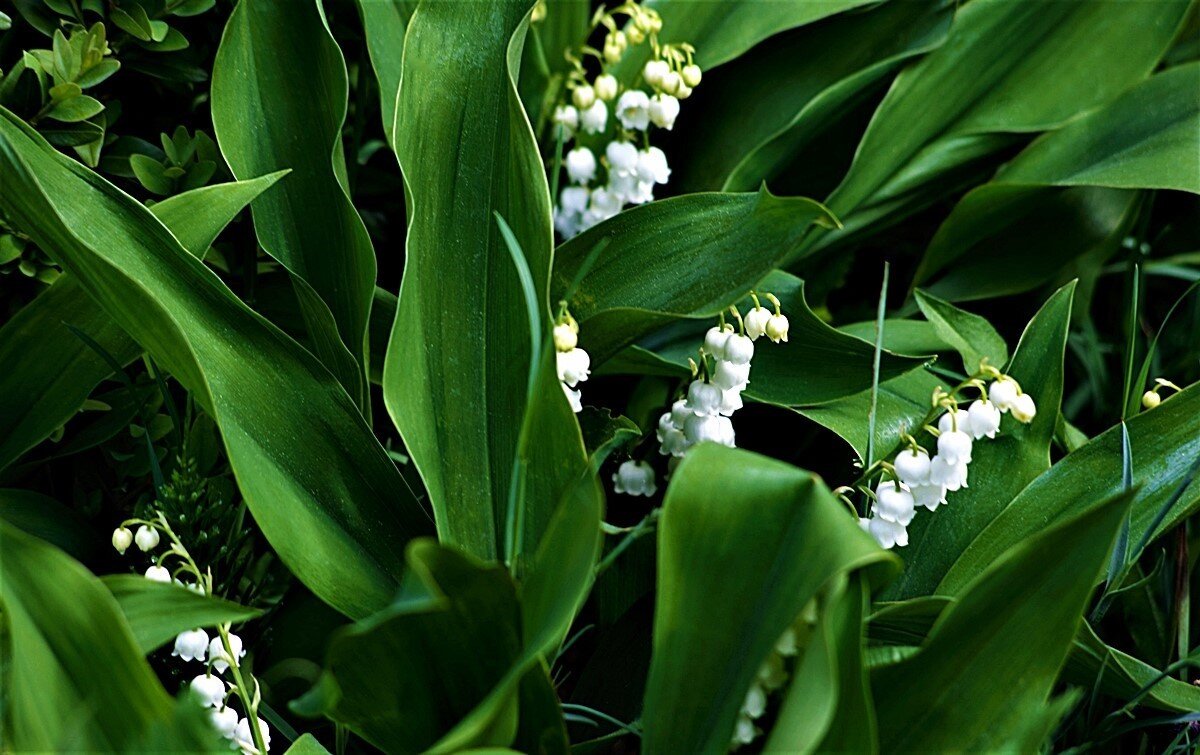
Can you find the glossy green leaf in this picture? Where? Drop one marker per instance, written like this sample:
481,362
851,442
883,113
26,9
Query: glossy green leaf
75,679
75,109
453,353
1003,465
764,109
902,403
384,25
721,32
269,52
729,584
998,73
972,336
689,256
828,706
993,657
333,506
1165,443
58,371
1122,676
307,744
901,336
157,612
438,669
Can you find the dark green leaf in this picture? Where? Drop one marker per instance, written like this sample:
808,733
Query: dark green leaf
971,335
77,108
157,612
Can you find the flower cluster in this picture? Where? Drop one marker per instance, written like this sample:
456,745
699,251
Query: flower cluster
716,393
918,479
574,364
583,123
220,653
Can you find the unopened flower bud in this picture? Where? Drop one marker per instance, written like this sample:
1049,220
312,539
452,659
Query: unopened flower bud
567,117
1023,409
1150,399
122,538
683,92
612,52
147,538
605,86
583,97
654,70
1003,392
912,466
670,82
635,34
691,75
565,337
777,328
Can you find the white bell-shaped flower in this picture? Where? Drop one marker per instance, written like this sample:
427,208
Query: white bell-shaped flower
654,70
777,328
158,573
622,158
191,645
573,366
930,496
122,538
210,689
715,340
664,109
728,375
755,703
594,119
739,349
894,502
574,199
700,428
950,476
581,165
245,738
671,441
771,674
756,322
728,436
954,447
955,420
633,110
731,401
912,466
574,398
604,204
217,655
652,166
680,411
1003,392
605,86
634,478
565,337
887,534
225,720
984,419
147,538
567,117
1023,409
744,731
704,399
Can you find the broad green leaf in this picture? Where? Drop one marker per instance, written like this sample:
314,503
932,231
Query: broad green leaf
1146,139
766,108
722,31
817,364
438,669
384,24
1003,465
75,679
828,706
730,583
42,516
689,256
75,109
58,371
456,374
1165,443
271,51
901,336
902,403
307,744
157,612
319,485
993,657
1122,676
972,336
999,73
544,66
